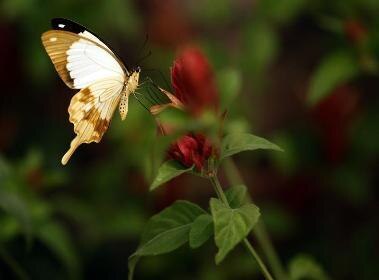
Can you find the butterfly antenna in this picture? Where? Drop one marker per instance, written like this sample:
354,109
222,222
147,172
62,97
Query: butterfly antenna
143,57
142,48
145,42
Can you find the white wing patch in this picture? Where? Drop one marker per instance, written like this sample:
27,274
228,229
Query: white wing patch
80,61
92,37
88,63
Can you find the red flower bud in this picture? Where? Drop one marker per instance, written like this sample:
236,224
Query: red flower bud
193,81
191,150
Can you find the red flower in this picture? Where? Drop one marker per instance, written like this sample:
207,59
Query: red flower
195,92
193,81
191,150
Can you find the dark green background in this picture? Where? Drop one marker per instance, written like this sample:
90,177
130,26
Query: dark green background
303,74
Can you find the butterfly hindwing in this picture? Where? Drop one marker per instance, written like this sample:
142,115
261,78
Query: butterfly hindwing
91,110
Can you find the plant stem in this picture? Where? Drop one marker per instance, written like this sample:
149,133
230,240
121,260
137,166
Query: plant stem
220,193
267,247
259,230
258,259
249,247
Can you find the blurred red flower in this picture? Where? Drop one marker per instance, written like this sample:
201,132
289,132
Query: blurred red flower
355,31
334,116
193,81
191,150
167,22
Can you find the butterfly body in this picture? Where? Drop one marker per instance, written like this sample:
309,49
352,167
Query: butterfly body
84,62
129,87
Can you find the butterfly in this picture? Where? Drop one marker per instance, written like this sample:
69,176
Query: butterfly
85,63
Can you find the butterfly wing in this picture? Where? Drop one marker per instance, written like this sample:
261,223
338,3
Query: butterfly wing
84,62
80,61
73,27
91,110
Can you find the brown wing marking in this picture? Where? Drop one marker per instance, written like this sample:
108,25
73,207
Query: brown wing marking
91,118
56,45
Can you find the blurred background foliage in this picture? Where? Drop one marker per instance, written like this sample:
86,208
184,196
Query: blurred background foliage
301,73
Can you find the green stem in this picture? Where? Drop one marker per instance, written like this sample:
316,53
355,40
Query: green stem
258,259
218,189
249,247
259,230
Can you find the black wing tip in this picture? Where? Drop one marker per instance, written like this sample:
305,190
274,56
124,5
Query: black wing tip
56,21
67,25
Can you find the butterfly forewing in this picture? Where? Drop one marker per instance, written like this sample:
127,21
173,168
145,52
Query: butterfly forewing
80,61
73,27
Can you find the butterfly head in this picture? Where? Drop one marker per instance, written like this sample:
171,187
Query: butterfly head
137,69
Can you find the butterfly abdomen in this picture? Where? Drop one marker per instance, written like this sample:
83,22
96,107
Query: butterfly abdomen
123,107
129,87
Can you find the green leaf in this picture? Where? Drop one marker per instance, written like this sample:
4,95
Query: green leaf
231,225
166,231
236,196
168,170
305,267
334,70
239,142
169,229
201,230
165,241
14,205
